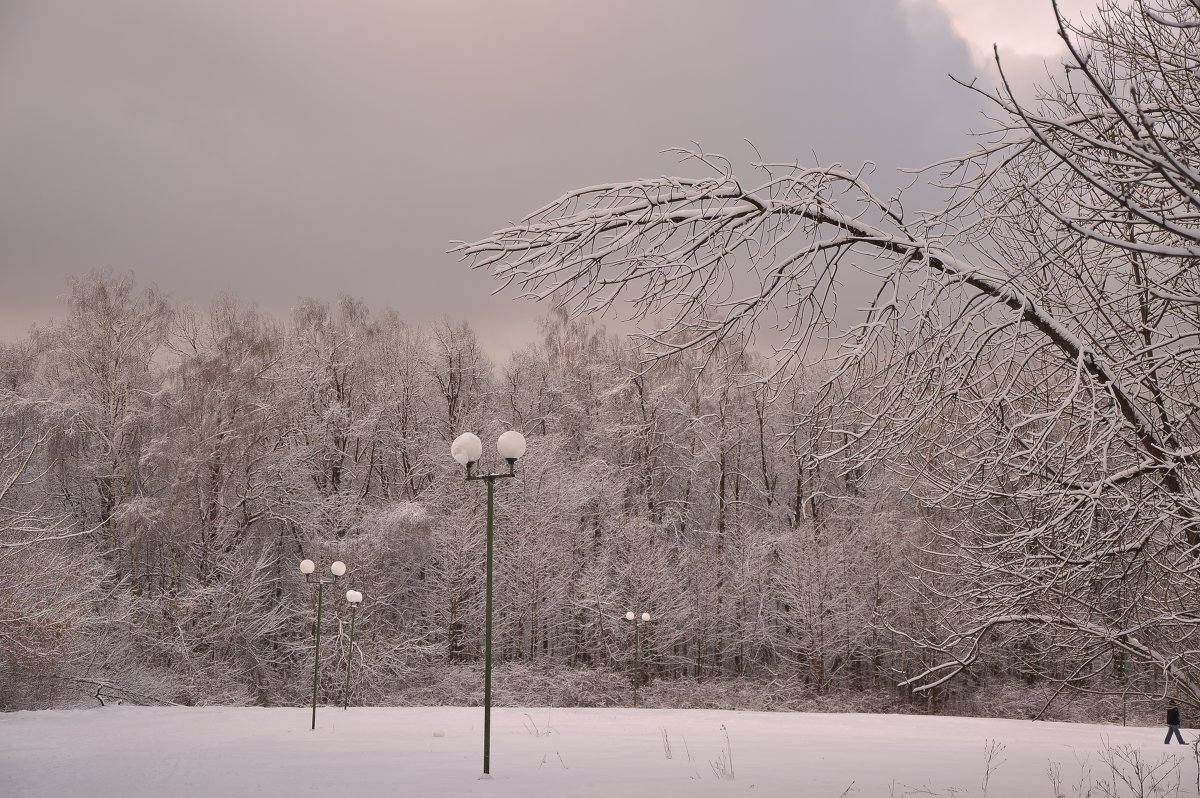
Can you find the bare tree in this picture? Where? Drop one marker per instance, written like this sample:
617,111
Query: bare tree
1028,359
52,575
98,370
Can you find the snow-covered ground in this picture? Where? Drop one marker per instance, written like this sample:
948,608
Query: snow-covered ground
128,752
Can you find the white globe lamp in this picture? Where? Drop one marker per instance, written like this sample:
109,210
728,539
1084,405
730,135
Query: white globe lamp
511,446
467,448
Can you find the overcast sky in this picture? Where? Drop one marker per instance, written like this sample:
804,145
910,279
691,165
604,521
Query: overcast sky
279,149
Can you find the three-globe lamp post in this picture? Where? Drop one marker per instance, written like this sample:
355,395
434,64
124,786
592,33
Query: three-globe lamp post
637,648
308,568
466,450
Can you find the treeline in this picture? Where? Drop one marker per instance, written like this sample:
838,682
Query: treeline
165,469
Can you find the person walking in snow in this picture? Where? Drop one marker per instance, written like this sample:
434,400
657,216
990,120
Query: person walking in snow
1173,723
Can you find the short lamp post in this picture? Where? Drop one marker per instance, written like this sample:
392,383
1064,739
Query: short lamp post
466,450
308,568
354,598
637,647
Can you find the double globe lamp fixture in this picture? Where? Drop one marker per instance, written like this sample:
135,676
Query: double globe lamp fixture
467,449
637,648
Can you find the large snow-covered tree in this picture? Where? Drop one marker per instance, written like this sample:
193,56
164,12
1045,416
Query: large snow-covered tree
1028,359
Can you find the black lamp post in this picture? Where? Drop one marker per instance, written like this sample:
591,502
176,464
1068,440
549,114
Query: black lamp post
637,648
308,567
466,450
354,598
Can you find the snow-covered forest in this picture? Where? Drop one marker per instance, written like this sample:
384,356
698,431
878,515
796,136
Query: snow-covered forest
975,493
166,469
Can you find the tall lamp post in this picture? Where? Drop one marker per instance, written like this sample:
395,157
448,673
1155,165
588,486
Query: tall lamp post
308,567
355,598
466,450
637,648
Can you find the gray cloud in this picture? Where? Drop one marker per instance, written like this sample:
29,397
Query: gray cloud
292,148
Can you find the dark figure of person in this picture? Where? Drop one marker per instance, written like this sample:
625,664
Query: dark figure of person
1173,724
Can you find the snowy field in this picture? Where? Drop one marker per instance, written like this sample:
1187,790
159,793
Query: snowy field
135,752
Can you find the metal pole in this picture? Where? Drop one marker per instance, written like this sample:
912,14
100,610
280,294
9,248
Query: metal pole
637,655
349,658
317,652
487,634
